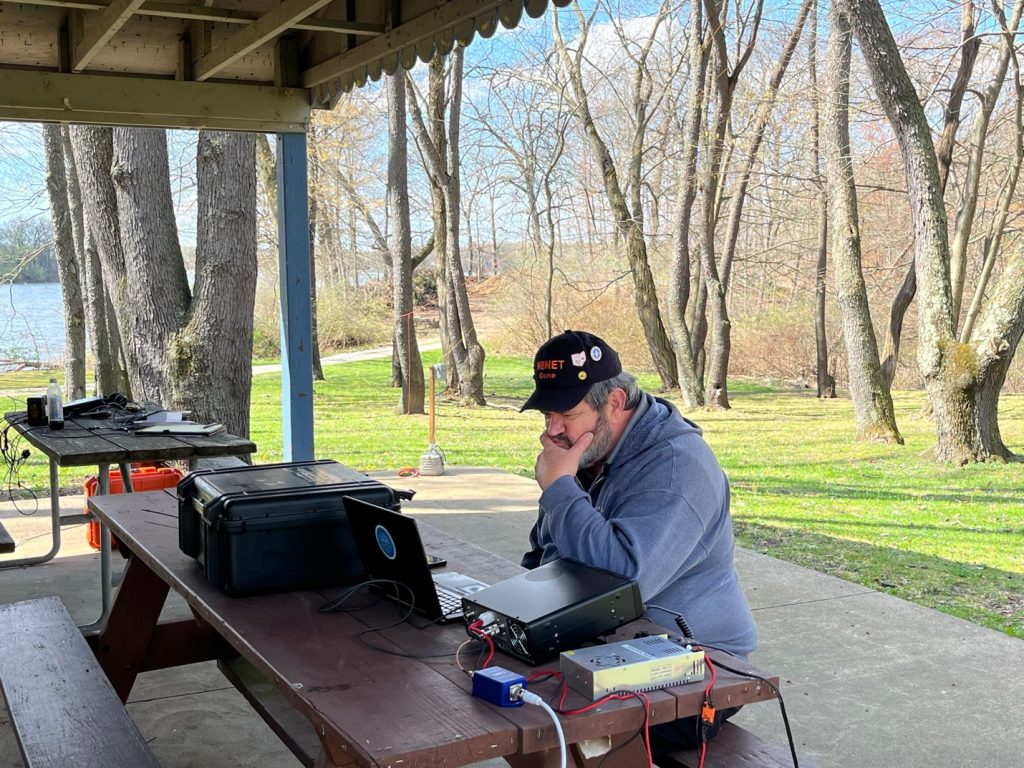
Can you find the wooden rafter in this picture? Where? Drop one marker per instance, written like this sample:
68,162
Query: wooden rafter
268,26
207,13
98,31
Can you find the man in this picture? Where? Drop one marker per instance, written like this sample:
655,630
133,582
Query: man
629,485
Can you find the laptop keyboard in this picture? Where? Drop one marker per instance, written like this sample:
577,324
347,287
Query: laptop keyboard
451,602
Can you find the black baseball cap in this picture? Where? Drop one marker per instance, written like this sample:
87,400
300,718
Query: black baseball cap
566,367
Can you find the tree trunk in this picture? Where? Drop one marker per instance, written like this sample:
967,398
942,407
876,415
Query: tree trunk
67,264
210,352
440,150
717,390
997,227
407,352
432,140
90,274
996,340
872,401
949,368
469,353
964,223
266,167
679,275
154,272
972,179
716,280
93,151
826,382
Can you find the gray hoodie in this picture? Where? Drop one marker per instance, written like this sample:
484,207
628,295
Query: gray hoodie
659,514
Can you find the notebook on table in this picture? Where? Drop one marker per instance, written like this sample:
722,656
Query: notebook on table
390,547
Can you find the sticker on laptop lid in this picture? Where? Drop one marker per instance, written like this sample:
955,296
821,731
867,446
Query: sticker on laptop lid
385,542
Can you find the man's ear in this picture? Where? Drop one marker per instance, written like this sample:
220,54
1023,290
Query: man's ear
617,400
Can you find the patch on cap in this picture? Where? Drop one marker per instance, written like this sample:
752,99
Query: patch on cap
565,368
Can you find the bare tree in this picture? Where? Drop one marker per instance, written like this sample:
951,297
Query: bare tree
719,370
715,279
969,47
93,152
439,147
210,351
825,381
67,263
872,400
101,332
962,379
679,275
407,352
629,215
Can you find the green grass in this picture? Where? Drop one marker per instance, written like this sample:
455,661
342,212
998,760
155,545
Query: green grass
804,490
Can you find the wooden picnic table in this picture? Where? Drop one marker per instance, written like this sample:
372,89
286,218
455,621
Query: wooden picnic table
379,698
103,442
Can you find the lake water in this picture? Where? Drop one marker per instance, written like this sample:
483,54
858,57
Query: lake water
31,323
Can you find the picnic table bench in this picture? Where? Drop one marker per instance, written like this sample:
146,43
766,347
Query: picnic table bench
63,708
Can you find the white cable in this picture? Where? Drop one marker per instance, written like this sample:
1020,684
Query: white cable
532,698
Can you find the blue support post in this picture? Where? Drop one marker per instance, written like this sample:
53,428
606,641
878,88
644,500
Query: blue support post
296,307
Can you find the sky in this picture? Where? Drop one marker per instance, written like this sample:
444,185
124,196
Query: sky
22,172
23,175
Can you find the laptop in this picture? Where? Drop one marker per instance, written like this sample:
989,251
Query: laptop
390,547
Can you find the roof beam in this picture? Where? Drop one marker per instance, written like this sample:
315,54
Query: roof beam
223,15
409,33
268,26
100,30
36,96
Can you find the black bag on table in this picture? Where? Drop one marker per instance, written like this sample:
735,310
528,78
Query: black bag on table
276,526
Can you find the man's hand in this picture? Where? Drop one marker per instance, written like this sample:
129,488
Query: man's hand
555,460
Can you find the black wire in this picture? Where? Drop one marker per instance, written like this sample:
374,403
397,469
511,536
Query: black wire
680,621
458,652
778,695
14,458
334,605
639,732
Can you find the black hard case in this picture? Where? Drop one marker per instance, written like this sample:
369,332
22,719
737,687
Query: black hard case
275,526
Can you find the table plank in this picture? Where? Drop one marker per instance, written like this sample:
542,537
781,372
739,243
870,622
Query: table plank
102,441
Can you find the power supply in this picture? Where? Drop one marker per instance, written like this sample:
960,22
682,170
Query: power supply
562,604
642,664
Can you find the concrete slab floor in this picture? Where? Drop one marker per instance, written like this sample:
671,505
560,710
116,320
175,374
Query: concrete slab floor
868,680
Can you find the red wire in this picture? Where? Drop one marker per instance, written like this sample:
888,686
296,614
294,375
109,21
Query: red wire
647,727
711,669
621,697
544,673
707,698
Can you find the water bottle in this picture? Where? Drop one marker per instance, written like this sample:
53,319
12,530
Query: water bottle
54,406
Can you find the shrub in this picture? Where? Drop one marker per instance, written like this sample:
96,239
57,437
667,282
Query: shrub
346,318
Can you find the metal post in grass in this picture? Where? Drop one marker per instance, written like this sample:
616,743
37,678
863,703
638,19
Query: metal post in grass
432,461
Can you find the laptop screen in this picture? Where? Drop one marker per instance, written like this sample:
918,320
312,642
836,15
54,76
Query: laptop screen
390,547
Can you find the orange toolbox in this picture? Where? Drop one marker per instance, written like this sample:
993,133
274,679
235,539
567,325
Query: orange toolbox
145,477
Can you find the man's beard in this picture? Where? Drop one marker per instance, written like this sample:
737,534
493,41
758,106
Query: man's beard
600,445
